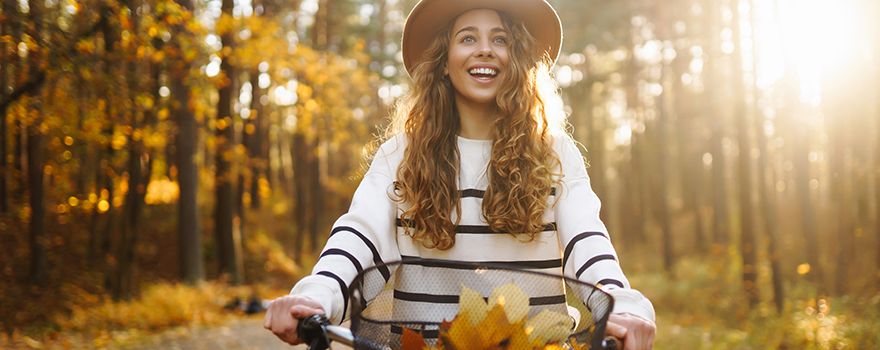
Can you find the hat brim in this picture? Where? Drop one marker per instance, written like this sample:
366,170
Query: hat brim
428,17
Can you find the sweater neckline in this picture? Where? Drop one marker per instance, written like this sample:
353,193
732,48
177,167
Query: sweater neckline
473,141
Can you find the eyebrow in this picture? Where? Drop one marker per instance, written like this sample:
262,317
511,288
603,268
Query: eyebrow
474,29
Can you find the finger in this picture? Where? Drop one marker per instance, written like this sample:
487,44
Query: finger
282,324
637,339
303,311
290,334
290,338
632,344
267,320
615,330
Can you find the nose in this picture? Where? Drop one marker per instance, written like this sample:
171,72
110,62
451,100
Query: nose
485,50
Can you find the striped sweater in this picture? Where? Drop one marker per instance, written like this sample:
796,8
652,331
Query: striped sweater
574,242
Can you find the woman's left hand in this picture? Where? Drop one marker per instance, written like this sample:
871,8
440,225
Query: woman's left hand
636,333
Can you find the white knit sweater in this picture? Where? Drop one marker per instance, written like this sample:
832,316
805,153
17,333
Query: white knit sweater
575,241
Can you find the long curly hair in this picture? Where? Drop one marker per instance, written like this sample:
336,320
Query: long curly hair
523,167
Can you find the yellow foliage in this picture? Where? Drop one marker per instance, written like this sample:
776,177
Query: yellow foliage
225,24
275,260
500,323
513,299
160,306
162,191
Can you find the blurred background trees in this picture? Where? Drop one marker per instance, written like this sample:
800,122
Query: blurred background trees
148,140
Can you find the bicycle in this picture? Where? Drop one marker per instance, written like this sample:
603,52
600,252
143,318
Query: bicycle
387,299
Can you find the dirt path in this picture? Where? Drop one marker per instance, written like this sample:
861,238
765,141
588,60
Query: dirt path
242,334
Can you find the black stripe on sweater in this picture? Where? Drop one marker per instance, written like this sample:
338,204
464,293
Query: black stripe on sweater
592,261
453,299
570,246
472,229
377,259
354,261
342,287
608,281
469,265
475,193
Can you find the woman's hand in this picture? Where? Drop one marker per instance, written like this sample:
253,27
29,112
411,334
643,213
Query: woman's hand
636,333
283,314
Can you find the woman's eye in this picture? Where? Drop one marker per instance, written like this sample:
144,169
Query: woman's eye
468,39
501,40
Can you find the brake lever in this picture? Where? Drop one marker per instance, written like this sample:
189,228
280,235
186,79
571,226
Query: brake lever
312,331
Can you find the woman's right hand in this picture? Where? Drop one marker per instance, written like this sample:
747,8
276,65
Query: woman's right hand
283,314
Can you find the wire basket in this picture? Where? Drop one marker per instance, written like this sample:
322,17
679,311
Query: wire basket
420,294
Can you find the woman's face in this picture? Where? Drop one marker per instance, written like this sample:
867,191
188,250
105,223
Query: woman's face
478,55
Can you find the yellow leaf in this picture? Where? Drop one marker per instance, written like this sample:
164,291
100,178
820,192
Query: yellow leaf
549,326
495,328
520,339
513,299
472,307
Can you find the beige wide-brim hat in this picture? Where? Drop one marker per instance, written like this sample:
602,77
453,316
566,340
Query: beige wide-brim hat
428,17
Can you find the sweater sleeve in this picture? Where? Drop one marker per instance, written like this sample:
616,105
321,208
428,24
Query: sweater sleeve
361,238
588,253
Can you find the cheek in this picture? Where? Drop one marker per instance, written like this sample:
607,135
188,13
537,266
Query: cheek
504,56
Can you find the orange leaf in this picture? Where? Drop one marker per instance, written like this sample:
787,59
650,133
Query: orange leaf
461,335
411,340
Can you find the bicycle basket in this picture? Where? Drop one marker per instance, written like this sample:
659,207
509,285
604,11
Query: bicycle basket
419,294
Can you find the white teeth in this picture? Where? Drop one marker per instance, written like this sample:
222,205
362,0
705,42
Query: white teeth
484,71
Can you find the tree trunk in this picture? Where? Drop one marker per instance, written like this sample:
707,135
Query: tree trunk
747,235
253,135
316,192
720,222
192,269
18,133
661,202
138,179
842,185
661,141
635,227
799,155
4,83
224,212
766,184
35,162
111,37
685,128
301,206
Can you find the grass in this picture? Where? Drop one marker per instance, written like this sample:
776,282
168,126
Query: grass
705,309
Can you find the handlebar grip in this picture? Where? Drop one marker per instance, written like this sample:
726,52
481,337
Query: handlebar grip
610,343
311,331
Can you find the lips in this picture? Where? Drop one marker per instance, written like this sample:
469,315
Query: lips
483,73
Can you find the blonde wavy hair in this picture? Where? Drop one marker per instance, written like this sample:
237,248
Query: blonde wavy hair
523,168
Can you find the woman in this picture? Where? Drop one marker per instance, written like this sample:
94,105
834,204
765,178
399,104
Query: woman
477,147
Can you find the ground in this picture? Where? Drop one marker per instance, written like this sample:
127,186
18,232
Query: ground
247,333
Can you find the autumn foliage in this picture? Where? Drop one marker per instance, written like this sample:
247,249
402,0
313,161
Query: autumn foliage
500,322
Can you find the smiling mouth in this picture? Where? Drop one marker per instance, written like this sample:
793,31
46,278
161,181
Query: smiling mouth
483,73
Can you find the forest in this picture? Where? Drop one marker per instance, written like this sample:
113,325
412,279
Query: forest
159,158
